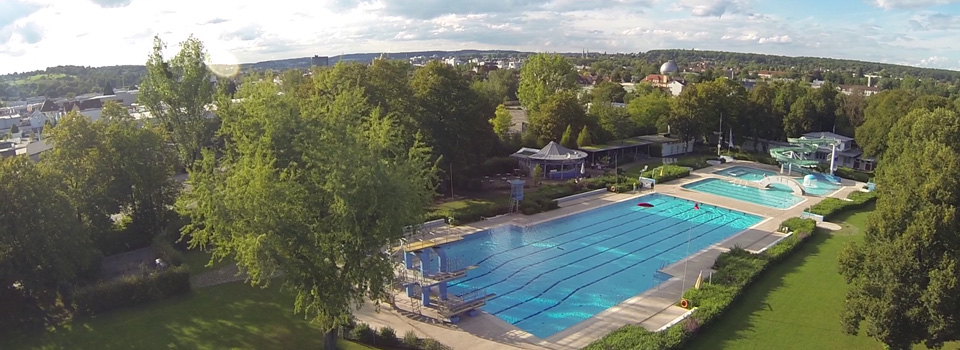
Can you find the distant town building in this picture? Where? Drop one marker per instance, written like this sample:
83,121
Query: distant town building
320,61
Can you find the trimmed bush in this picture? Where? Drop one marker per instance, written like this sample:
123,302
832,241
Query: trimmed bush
851,174
430,344
753,157
830,207
387,336
165,250
411,340
131,291
363,333
499,165
124,237
669,173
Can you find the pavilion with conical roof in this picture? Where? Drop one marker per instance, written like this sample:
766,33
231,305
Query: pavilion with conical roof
557,162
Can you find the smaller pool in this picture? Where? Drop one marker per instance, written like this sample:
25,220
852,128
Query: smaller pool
820,188
777,196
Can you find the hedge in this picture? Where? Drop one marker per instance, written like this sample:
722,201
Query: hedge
753,157
735,270
670,172
851,174
387,337
131,291
830,207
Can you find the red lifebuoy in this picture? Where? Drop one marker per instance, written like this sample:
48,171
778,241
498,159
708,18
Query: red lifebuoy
684,303
613,189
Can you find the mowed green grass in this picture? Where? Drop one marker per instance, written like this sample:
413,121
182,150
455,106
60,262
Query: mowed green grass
796,304
228,316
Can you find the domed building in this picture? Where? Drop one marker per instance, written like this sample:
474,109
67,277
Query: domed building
669,68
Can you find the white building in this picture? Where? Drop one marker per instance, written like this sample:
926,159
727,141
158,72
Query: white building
847,155
669,146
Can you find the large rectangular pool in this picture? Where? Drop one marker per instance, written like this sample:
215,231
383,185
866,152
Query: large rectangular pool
553,275
776,196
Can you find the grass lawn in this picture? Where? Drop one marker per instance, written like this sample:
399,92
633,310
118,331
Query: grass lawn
796,305
228,316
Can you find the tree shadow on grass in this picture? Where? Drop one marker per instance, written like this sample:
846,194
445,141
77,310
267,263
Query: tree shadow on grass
229,316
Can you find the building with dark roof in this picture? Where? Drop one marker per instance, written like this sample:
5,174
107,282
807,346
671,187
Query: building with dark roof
557,162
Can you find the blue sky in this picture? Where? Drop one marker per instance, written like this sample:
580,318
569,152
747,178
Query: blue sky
35,34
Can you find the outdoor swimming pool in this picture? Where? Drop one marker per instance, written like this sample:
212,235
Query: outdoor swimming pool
553,275
777,196
822,187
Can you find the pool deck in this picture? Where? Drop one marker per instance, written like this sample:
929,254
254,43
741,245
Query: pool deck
652,309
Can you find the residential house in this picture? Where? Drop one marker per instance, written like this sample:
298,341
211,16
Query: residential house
676,87
861,89
768,74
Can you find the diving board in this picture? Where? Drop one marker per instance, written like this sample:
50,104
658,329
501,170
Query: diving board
421,245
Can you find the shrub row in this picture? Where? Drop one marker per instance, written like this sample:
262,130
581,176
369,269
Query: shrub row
386,336
753,157
165,250
830,207
666,173
131,291
735,270
851,174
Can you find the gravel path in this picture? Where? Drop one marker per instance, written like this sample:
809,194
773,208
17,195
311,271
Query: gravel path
226,274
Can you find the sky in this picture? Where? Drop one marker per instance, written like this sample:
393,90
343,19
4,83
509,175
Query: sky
35,34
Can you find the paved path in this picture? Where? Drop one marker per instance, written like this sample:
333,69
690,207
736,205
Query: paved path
222,275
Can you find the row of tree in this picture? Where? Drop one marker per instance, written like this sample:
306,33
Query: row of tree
57,212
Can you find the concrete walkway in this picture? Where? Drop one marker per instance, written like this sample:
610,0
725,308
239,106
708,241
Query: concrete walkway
651,309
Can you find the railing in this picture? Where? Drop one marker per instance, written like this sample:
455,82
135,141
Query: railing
774,243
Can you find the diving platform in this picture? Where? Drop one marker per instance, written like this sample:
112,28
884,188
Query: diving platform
455,306
421,245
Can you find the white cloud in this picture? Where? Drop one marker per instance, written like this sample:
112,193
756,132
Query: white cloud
901,4
45,33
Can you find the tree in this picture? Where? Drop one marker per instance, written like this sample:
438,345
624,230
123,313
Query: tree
544,75
568,140
177,93
802,115
615,121
607,91
502,121
41,245
107,89
583,139
882,112
449,116
319,217
142,168
649,112
913,298
78,160
556,112
764,122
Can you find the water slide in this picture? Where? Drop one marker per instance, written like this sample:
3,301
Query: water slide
799,155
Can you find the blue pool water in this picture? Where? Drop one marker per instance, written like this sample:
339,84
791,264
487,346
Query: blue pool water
821,188
553,275
776,196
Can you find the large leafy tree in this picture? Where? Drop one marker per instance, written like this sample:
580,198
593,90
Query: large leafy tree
607,91
177,92
501,121
449,115
311,193
905,278
763,122
650,111
80,161
41,244
882,112
699,108
558,111
615,121
544,75
802,116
